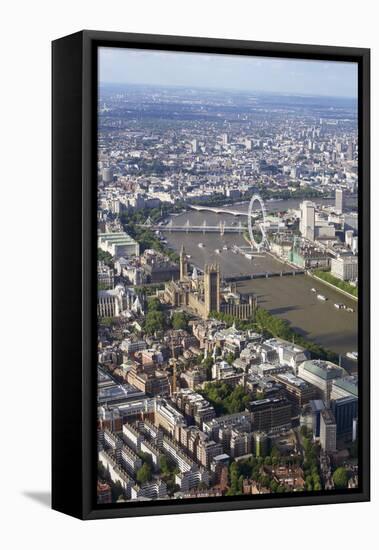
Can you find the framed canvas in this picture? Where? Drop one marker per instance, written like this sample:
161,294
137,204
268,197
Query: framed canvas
211,337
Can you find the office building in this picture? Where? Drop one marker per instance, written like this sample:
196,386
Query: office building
225,139
132,437
345,387
117,473
345,267
107,174
130,461
321,374
340,201
317,406
150,490
118,244
168,418
296,390
328,431
194,406
345,411
307,220
240,443
349,235
271,415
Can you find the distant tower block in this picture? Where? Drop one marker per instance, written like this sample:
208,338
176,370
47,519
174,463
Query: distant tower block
340,201
107,175
194,146
183,264
212,284
307,220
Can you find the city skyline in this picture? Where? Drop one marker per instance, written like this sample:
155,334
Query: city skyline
228,251
282,76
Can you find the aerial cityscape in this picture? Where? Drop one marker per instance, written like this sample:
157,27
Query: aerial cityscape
227,271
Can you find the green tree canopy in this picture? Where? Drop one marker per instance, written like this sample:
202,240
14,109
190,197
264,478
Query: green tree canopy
154,305
144,473
104,257
164,465
340,478
225,398
179,320
154,322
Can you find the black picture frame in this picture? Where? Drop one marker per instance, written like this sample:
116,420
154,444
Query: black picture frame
74,110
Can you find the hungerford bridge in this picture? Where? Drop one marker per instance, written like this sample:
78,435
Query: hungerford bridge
221,228
217,210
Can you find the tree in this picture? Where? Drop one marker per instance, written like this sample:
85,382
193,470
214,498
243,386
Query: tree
106,321
237,401
274,486
304,431
179,321
144,473
340,478
154,322
164,465
264,480
236,480
154,305
104,257
275,453
229,358
208,363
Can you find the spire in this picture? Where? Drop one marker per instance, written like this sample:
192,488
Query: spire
183,263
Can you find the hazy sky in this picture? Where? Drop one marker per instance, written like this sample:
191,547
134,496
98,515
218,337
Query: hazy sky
327,78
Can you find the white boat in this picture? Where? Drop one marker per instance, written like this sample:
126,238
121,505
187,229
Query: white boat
248,255
338,306
350,309
352,355
218,251
321,297
225,247
201,245
313,290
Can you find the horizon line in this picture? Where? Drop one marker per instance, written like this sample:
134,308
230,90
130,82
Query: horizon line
241,90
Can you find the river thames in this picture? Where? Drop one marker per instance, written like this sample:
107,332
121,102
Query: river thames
289,297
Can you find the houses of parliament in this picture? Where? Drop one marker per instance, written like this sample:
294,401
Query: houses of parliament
203,295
